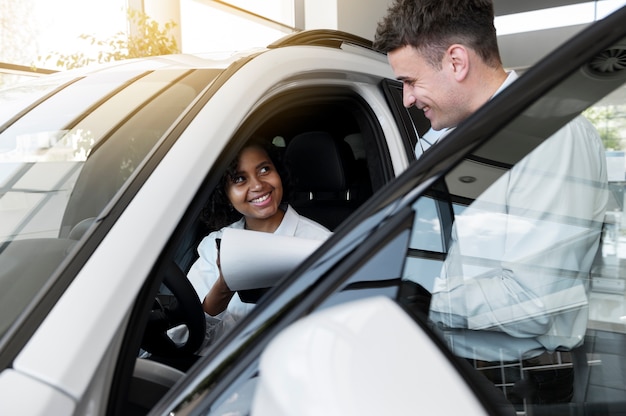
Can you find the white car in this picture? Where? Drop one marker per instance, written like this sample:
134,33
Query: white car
105,174
104,169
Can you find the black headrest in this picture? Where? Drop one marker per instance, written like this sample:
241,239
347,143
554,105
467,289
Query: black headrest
316,162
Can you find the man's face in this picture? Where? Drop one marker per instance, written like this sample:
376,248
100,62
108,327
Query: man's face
434,91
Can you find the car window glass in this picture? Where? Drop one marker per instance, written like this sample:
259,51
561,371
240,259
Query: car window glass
64,161
531,290
380,275
426,249
411,121
22,95
519,251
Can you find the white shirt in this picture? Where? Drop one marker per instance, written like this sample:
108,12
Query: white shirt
514,282
428,139
204,272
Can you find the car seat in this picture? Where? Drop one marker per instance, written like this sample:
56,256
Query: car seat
326,187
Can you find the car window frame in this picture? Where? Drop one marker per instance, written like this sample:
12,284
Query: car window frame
412,122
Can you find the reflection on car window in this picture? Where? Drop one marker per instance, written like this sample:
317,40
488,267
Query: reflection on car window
65,160
530,291
426,252
513,286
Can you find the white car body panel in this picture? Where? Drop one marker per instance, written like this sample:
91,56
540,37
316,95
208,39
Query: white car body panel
323,365
49,401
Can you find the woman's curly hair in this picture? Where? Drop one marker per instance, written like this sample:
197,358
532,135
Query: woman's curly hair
218,211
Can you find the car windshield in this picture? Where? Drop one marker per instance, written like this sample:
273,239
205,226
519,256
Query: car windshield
60,137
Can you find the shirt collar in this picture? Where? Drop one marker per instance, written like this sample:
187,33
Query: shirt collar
289,223
512,76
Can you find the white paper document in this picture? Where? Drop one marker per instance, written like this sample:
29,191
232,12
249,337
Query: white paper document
253,259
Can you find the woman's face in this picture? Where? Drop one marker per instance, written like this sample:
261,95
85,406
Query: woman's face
256,190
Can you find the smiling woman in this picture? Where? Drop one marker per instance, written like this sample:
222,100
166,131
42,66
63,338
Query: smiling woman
252,190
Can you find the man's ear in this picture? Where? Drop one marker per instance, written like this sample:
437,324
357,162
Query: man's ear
457,58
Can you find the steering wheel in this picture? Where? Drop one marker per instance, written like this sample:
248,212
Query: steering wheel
179,306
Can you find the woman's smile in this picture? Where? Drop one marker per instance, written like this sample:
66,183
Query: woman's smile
261,199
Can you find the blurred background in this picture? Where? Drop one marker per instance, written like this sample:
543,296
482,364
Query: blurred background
43,36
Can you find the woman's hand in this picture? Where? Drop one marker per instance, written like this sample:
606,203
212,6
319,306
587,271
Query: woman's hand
216,301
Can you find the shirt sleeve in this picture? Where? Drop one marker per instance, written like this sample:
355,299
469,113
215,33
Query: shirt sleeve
203,272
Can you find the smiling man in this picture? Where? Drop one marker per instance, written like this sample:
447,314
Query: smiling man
508,297
446,55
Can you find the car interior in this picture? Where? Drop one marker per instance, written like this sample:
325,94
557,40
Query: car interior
335,162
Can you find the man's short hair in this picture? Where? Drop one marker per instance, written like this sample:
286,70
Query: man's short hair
431,26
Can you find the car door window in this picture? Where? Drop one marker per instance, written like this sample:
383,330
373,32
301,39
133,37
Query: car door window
428,243
531,289
411,121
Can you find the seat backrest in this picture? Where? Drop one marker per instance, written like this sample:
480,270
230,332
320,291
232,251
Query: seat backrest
322,171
